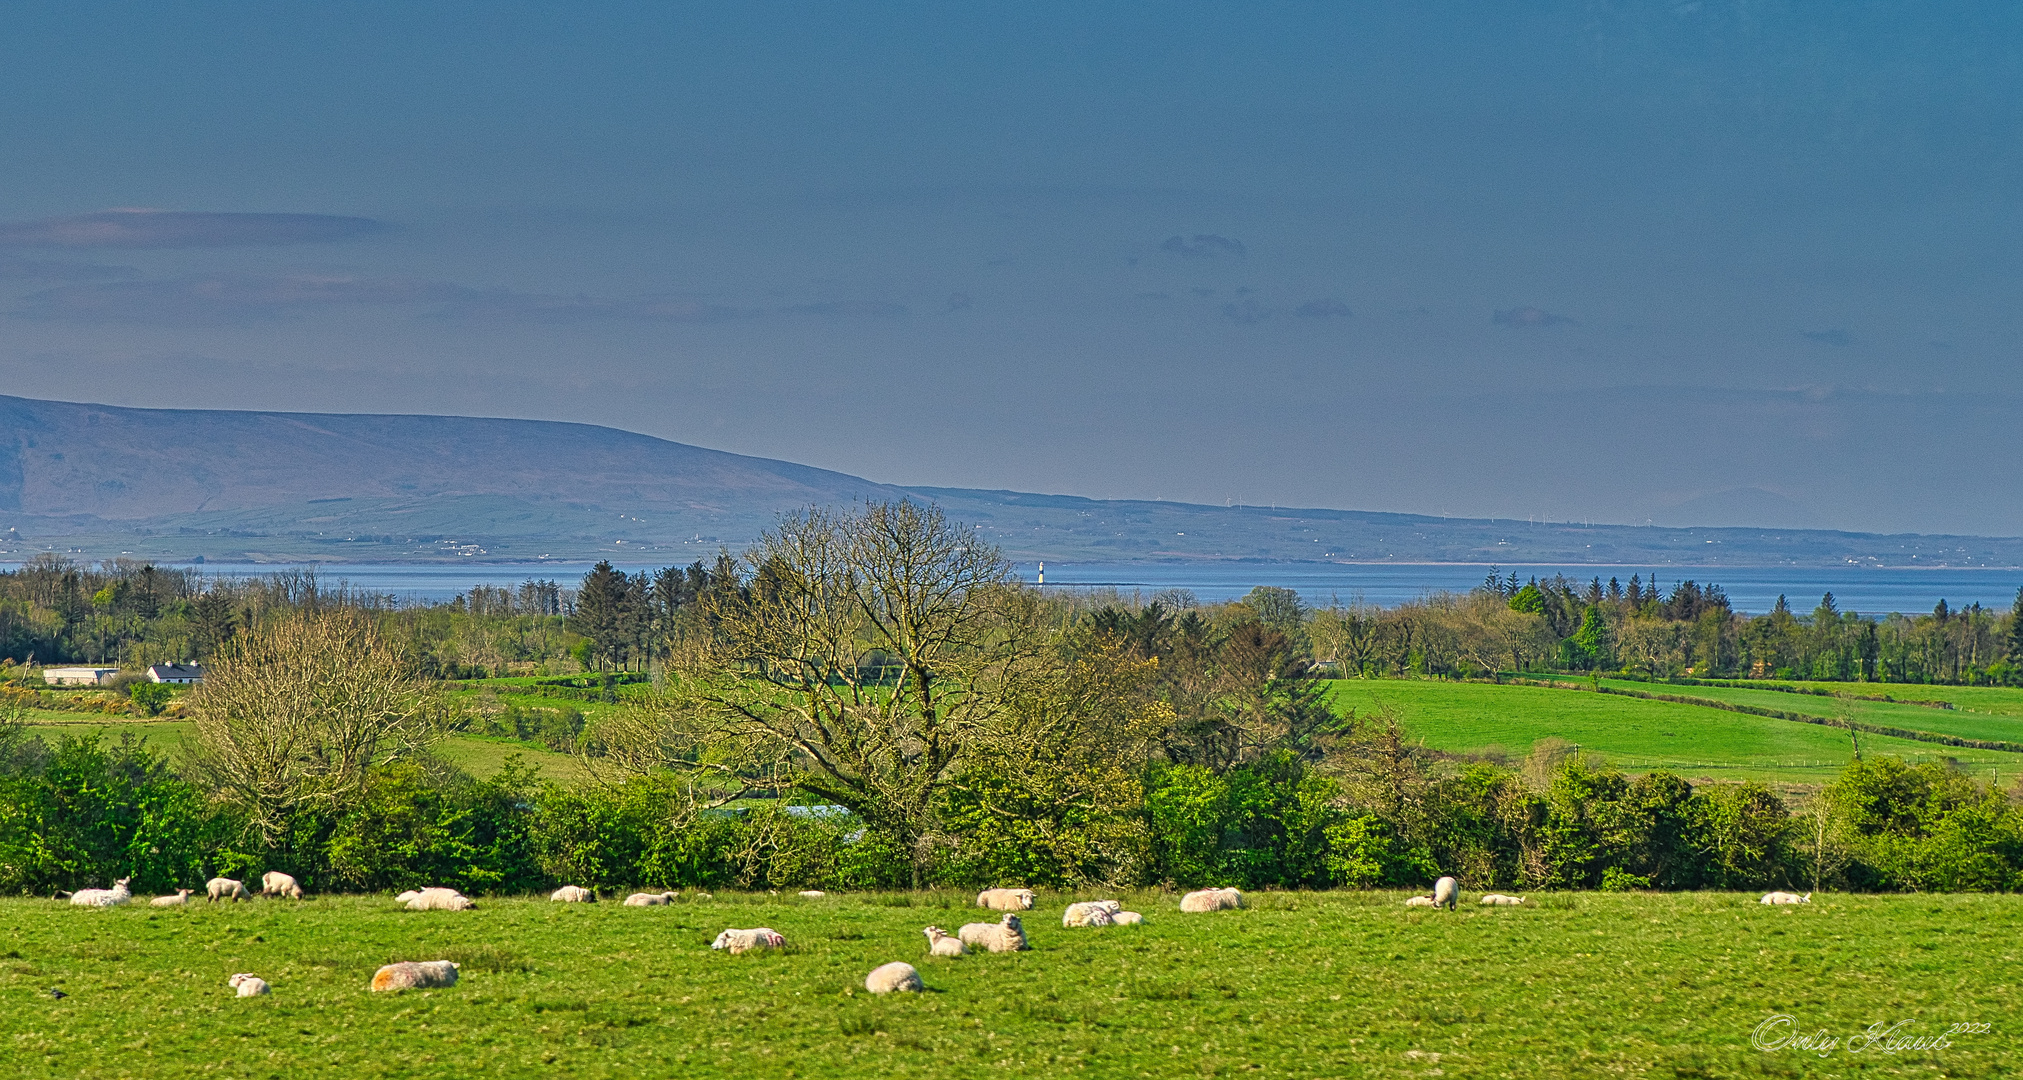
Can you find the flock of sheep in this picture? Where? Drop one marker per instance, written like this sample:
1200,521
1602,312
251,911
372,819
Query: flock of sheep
1005,935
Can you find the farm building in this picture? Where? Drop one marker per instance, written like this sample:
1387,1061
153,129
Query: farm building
181,674
77,676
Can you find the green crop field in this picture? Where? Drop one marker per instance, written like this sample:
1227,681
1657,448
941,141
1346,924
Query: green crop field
1300,985
1637,734
1957,722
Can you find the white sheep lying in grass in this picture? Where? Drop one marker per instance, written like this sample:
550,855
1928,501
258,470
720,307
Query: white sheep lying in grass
413,975
180,898
1091,913
744,941
573,894
812,894
224,888
1446,893
1768,898
103,898
1125,918
248,985
1005,899
1497,899
650,899
1418,901
436,899
893,977
940,944
1008,935
276,883
1211,900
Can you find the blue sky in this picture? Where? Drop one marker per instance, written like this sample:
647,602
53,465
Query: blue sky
1734,262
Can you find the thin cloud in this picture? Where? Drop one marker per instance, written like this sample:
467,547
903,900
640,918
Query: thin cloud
229,299
12,269
1530,316
181,229
1204,246
1323,309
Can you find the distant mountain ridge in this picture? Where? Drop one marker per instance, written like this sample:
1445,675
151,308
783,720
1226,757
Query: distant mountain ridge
99,481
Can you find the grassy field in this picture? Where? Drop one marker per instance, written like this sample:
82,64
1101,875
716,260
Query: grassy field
1997,700
1692,740
477,755
1963,723
1300,985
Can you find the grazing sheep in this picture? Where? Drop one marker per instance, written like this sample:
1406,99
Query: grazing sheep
224,888
1211,900
180,899
1768,898
1090,913
1418,901
573,894
276,883
1005,899
744,941
1497,899
248,985
1008,935
1125,918
410,975
438,900
650,899
103,898
1446,893
812,894
895,976
940,944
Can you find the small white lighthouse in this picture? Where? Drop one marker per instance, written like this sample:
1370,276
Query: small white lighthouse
1043,575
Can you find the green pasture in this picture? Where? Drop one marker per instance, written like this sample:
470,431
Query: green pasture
475,754
1299,985
1956,722
1998,700
1637,734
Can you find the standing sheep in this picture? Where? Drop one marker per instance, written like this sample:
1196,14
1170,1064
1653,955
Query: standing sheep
1090,913
224,888
1446,893
1211,900
276,883
893,977
248,985
103,898
1005,899
573,894
650,899
737,942
1768,898
1008,935
180,898
940,944
410,975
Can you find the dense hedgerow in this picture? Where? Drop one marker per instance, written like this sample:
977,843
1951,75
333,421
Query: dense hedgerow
84,812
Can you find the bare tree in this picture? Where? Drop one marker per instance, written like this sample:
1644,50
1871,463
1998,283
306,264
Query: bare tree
868,650
290,717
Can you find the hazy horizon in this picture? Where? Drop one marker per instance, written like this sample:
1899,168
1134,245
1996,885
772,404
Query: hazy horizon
1688,263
